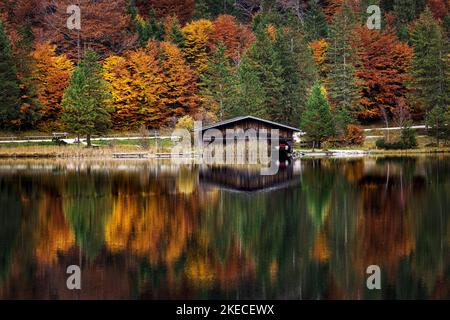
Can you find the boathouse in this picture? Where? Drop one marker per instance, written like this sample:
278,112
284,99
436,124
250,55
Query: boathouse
245,123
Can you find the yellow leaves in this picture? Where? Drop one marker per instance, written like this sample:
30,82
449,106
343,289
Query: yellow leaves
272,32
195,44
319,49
200,270
151,229
135,81
150,85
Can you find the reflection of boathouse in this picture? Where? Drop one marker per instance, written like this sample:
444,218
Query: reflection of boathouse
247,178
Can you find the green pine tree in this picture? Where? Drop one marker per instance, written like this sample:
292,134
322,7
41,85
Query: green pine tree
406,11
430,70
298,74
210,9
248,97
315,22
86,100
437,120
317,120
262,59
219,84
9,85
29,103
174,33
151,29
282,61
342,87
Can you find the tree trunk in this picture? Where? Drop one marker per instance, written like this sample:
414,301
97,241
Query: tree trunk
88,140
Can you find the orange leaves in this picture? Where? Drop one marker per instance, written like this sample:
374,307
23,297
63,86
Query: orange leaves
383,62
181,96
319,49
51,73
149,86
235,36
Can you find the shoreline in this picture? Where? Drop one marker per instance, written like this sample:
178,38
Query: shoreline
55,152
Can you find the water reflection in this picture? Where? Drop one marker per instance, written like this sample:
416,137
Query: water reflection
156,230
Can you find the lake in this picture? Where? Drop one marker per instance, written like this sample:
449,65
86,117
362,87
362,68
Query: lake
157,230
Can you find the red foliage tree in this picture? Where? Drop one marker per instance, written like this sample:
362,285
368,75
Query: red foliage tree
183,9
439,8
383,63
105,25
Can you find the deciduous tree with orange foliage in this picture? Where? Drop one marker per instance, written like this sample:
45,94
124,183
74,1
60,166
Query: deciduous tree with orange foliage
105,24
382,67
181,96
235,36
51,73
150,86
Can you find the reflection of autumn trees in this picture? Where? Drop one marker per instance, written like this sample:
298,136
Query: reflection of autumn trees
152,227
384,226
158,232
53,233
431,262
9,227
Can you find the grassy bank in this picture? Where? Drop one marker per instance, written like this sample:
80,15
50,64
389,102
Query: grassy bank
101,149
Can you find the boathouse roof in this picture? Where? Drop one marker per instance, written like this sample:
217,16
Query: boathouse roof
242,118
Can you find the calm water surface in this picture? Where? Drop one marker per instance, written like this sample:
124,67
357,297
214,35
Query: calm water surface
143,230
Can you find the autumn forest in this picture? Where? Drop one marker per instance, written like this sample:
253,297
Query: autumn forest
162,63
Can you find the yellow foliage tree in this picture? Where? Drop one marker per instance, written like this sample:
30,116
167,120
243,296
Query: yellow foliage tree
196,43
136,84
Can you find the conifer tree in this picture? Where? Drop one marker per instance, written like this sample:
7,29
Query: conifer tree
219,83
430,83
317,120
151,29
9,85
342,87
262,59
29,104
249,96
173,32
315,22
86,102
430,69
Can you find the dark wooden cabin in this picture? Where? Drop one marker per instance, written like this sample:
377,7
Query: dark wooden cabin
249,122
